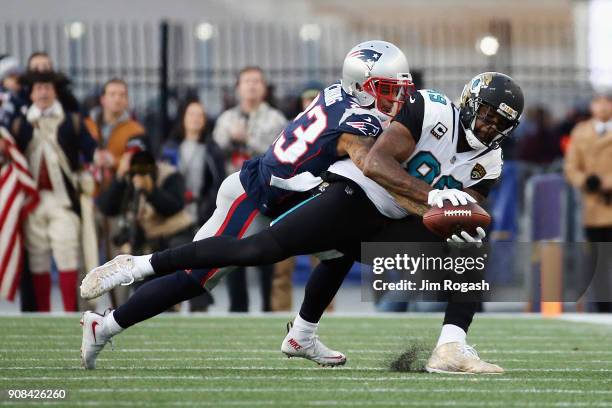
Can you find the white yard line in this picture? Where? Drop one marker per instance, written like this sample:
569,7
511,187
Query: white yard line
366,338
408,377
272,337
325,403
259,315
594,318
106,358
269,368
242,390
274,351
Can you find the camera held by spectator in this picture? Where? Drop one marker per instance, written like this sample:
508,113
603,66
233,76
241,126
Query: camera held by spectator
149,199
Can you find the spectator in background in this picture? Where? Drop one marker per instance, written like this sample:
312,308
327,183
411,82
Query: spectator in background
149,198
571,118
538,143
245,131
113,128
199,159
588,167
10,71
54,143
40,61
249,128
12,99
293,105
10,108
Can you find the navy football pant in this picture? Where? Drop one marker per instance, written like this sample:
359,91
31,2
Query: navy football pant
325,222
339,218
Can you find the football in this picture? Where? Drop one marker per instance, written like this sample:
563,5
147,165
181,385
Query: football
450,219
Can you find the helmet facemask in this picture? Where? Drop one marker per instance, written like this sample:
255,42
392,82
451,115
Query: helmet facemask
490,125
389,94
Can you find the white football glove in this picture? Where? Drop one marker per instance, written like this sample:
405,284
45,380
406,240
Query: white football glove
465,237
456,197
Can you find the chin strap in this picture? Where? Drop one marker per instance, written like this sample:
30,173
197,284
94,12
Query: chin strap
472,140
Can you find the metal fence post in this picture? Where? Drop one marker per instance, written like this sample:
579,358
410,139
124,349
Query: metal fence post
163,78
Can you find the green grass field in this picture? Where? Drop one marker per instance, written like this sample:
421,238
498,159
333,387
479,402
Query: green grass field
235,361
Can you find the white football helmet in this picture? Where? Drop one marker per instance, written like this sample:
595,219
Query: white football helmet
377,73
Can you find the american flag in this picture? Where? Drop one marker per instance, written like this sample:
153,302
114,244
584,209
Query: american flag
18,197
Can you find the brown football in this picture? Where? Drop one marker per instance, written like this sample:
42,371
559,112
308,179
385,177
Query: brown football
450,219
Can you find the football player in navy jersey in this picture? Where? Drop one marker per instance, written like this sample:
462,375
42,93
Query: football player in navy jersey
353,208
340,120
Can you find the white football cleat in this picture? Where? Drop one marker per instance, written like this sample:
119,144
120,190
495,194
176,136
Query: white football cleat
313,349
94,338
119,271
457,358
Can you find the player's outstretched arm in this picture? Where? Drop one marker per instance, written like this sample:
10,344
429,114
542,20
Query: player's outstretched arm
357,148
383,164
411,205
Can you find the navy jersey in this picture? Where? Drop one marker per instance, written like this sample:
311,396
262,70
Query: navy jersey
307,145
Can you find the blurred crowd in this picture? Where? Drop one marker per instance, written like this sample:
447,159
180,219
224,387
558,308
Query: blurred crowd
81,183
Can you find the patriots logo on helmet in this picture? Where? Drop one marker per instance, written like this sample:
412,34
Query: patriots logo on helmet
368,56
367,128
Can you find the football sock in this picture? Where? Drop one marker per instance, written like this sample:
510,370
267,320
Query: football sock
143,266
111,327
323,284
156,296
303,329
451,334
